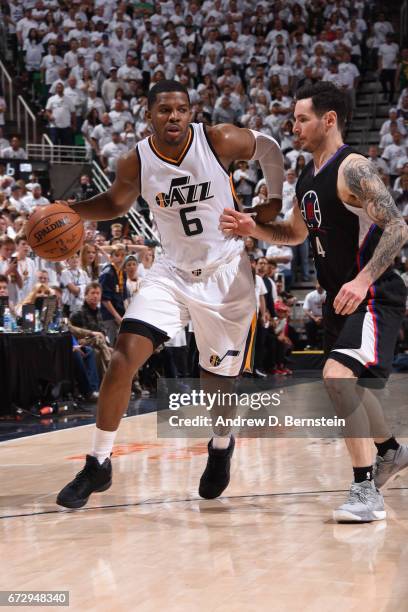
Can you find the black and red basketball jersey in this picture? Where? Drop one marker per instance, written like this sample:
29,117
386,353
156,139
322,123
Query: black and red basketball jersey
343,237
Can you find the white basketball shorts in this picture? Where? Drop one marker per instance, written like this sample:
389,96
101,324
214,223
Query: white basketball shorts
220,303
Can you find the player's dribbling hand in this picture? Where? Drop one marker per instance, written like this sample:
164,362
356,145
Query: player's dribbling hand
350,296
234,223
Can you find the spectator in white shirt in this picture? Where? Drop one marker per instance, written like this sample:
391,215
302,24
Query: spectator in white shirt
102,133
35,198
297,150
110,86
16,200
394,154
332,75
283,256
284,71
62,78
288,193
244,181
25,266
312,307
387,65
382,28
119,115
386,126
33,50
111,152
14,151
74,281
79,69
71,56
94,101
61,116
24,25
50,64
78,99
85,50
350,76
378,162
129,71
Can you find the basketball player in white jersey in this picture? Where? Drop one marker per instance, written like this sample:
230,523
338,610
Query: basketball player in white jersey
181,171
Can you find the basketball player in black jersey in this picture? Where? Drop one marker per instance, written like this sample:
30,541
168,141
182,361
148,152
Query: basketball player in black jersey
356,231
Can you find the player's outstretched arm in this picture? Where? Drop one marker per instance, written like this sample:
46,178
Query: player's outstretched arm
233,143
120,196
292,231
360,178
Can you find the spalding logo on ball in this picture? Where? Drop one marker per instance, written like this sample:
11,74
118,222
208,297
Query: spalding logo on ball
55,232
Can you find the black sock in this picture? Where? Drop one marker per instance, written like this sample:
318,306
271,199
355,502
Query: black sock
390,444
363,473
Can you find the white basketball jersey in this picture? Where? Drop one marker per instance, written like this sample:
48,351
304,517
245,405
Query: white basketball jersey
187,197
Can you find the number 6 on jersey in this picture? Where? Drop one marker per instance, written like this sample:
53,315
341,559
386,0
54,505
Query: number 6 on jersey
193,226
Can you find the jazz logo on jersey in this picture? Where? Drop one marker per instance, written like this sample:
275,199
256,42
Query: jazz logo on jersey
215,360
310,209
181,192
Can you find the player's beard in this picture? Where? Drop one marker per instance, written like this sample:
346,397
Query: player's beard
176,139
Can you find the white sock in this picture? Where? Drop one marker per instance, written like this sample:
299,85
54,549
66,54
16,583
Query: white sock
102,444
221,442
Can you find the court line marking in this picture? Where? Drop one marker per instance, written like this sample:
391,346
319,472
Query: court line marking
180,501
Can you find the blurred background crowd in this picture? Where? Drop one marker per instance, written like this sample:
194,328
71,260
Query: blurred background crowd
86,67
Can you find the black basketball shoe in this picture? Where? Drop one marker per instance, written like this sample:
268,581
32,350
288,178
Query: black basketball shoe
93,478
216,475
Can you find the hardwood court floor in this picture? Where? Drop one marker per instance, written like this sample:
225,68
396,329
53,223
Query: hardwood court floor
150,544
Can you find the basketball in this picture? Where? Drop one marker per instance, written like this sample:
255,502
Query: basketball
55,232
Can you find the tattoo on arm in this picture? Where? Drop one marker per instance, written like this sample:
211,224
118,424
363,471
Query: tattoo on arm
364,182
275,233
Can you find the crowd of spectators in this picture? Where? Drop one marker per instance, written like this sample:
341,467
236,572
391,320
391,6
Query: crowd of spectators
92,288
89,65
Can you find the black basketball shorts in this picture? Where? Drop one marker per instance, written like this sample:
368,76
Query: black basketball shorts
365,340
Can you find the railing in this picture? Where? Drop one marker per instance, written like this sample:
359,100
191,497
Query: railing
57,154
136,220
23,110
46,140
7,89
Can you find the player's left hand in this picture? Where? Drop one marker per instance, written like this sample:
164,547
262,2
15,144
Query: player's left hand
350,296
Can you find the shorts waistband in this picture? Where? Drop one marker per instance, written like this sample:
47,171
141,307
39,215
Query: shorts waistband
201,273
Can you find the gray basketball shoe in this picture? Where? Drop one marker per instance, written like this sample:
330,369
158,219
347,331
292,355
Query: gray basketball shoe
393,464
365,504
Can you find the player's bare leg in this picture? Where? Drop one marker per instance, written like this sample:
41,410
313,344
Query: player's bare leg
365,503
216,475
130,354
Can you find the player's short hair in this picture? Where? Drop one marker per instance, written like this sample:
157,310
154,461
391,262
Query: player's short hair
165,86
326,97
3,279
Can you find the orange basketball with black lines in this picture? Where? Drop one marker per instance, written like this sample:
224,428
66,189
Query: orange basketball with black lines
55,232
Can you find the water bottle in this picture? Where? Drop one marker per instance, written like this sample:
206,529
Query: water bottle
37,327
13,323
7,320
